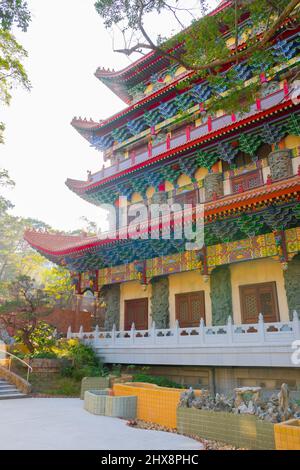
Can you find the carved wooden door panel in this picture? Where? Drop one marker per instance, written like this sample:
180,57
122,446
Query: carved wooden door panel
136,311
259,298
190,308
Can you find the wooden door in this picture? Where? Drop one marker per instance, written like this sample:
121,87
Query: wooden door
259,298
136,311
190,308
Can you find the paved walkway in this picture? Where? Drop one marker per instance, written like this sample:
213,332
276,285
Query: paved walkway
62,423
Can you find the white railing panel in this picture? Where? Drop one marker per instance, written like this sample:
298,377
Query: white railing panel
230,337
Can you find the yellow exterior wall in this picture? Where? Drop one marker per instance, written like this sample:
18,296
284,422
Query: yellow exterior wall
190,281
133,290
183,180
168,79
252,272
136,197
292,141
149,89
180,70
201,173
150,191
169,186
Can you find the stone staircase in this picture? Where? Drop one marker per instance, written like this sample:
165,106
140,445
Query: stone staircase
8,391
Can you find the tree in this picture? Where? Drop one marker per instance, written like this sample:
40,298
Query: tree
16,255
203,45
12,54
24,308
58,285
5,182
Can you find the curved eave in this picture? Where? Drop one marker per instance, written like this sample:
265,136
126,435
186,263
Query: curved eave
89,126
77,186
82,188
86,127
57,246
118,81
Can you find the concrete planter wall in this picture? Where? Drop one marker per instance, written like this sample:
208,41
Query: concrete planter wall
99,402
121,407
154,404
280,164
287,435
100,383
94,401
243,431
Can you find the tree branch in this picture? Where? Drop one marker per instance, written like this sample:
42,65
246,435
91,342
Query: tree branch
171,55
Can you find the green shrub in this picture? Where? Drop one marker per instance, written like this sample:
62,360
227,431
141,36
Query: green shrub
116,370
44,355
84,362
157,380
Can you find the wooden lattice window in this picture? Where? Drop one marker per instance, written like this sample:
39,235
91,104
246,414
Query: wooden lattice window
190,308
188,197
259,298
246,181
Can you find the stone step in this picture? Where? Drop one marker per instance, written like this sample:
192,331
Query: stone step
9,391
13,396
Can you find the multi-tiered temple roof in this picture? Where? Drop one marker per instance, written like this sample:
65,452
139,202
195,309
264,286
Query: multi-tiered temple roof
152,142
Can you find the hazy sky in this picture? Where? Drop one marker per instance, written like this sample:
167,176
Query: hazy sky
66,42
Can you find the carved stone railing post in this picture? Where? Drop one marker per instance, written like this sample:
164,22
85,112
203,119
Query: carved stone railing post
296,325
152,333
201,331
132,333
176,332
113,334
80,336
229,330
261,328
69,333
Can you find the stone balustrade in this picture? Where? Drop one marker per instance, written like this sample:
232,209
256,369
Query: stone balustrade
256,344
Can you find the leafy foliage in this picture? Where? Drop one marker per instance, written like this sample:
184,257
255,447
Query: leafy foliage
157,380
58,285
205,48
12,54
14,12
42,339
23,309
12,71
84,361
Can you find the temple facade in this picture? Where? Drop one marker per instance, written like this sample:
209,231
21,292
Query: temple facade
227,311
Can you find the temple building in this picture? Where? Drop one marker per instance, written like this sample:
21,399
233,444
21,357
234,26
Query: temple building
224,314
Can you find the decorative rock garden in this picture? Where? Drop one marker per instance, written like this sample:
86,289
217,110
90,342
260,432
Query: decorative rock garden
243,421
